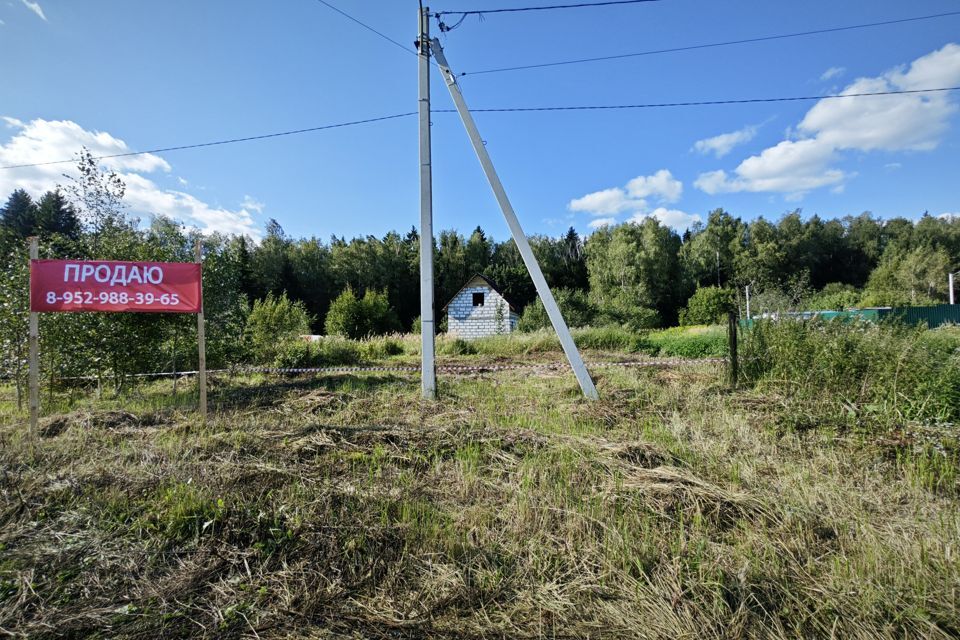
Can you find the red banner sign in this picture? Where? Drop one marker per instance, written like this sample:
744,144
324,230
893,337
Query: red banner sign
101,285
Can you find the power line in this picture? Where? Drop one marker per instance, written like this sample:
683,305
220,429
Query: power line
701,103
709,45
221,142
579,5
650,105
367,27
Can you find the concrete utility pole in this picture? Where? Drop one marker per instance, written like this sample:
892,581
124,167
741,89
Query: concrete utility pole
428,369
553,311
950,286
748,302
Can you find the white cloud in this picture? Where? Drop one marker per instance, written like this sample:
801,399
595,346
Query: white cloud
661,185
606,202
602,222
44,141
36,8
791,166
888,123
724,143
892,166
2,23
949,217
832,72
678,220
145,196
51,140
252,204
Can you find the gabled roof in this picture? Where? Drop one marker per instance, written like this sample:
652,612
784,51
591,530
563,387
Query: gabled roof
490,283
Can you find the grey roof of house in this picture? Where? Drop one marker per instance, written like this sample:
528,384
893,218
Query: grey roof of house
490,283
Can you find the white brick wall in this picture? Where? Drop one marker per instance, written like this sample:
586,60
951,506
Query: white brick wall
468,322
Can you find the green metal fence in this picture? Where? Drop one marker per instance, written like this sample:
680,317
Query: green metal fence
933,316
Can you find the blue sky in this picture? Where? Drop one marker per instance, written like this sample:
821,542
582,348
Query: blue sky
140,75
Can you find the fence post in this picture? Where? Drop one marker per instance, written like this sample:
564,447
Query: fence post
34,359
732,340
175,333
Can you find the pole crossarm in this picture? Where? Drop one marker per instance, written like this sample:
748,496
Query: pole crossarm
543,290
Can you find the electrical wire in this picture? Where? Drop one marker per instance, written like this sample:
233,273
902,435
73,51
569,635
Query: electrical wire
221,142
368,27
701,103
579,5
709,45
650,105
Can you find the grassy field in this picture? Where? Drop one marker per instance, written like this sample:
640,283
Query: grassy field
603,342
799,505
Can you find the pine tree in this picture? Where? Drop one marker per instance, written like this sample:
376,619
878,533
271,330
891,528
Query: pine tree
56,215
19,215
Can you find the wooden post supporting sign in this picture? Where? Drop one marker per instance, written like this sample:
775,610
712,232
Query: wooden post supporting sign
34,358
201,343
113,286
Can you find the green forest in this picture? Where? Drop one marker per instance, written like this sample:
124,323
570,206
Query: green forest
637,276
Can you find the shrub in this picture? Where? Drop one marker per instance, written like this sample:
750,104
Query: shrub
329,351
835,296
630,317
708,305
455,347
380,347
611,339
577,311
274,321
336,350
690,342
361,317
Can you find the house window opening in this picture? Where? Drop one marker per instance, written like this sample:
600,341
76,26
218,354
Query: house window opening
478,299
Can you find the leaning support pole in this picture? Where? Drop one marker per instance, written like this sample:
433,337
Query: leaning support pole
428,370
553,311
34,380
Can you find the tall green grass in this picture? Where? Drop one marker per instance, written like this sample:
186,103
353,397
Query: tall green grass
690,342
683,342
867,370
331,351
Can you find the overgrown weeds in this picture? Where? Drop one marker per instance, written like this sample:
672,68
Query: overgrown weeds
343,506
863,372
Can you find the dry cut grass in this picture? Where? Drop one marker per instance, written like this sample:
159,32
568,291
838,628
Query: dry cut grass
344,507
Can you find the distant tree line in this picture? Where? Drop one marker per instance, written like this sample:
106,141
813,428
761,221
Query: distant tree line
636,275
